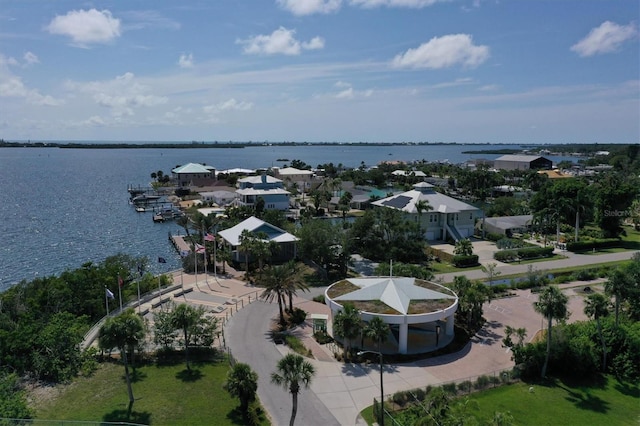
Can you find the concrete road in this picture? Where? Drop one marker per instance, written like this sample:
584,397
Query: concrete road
247,334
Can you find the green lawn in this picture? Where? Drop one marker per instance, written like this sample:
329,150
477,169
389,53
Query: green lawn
444,268
562,403
164,395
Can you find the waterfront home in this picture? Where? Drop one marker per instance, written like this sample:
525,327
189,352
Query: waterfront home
193,174
446,217
507,225
269,188
291,176
285,241
221,197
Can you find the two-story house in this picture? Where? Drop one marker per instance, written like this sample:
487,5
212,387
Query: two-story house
442,217
270,189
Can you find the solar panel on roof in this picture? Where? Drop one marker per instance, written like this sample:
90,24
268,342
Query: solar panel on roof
398,202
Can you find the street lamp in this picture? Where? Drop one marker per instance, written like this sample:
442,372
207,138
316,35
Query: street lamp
381,384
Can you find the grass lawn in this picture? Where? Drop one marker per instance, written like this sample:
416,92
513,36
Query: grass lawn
164,395
444,267
564,403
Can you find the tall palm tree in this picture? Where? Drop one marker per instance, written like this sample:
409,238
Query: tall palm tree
184,318
123,331
422,206
275,283
616,286
377,330
242,382
292,372
552,304
348,325
293,282
596,307
246,247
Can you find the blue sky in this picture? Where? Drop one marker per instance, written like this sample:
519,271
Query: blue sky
508,71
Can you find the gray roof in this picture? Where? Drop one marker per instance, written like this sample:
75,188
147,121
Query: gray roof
439,202
255,225
510,222
520,158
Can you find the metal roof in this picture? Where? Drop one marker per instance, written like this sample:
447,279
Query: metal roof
254,225
192,168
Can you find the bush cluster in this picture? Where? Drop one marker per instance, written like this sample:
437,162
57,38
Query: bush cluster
523,253
577,246
465,261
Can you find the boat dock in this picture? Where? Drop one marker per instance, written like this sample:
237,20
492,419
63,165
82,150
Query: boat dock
179,244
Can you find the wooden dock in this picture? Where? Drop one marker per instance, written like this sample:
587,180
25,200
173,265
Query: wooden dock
179,244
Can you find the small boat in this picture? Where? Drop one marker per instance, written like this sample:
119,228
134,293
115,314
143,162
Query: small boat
140,209
145,198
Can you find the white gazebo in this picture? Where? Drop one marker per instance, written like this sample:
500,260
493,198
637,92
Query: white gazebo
415,309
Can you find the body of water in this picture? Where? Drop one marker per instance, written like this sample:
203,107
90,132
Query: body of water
60,208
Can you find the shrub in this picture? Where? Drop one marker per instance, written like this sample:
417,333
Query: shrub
420,394
509,243
505,256
522,253
493,236
298,316
449,388
399,398
482,382
322,337
465,261
319,298
577,246
465,386
296,345
585,275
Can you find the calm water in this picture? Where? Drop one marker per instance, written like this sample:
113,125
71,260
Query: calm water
63,207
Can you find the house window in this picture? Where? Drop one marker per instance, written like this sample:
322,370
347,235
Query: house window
470,216
456,216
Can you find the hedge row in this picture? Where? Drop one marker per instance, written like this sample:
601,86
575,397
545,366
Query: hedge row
593,244
464,261
523,253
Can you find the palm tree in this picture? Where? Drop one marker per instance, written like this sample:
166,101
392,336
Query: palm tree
123,331
184,222
184,318
242,382
377,330
463,247
348,325
422,206
616,286
274,284
596,307
292,371
293,281
246,246
552,304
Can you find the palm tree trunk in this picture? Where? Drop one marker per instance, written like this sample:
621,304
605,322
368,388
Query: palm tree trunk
290,302
294,409
186,348
126,375
280,308
604,346
577,225
546,358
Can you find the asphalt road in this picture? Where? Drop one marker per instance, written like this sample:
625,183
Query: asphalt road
247,334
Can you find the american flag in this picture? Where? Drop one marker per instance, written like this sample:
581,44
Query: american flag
199,248
209,237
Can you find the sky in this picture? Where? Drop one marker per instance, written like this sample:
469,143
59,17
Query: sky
467,71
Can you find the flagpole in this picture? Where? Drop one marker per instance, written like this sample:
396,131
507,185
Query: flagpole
120,295
204,244
215,261
106,299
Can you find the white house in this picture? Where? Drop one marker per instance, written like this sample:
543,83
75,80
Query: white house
267,187
285,240
291,175
221,197
446,217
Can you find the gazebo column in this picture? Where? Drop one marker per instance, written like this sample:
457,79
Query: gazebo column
449,328
402,342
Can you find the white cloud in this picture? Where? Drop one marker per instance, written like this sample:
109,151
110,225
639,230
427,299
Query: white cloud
12,86
455,83
186,61
228,105
121,95
30,58
309,7
86,26
443,52
281,41
412,4
606,38
346,94
488,87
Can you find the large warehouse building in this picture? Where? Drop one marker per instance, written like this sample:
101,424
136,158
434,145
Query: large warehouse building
522,162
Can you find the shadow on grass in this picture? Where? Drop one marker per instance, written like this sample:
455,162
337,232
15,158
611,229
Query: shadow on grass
627,389
579,393
137,376
128,415
236,417
189,375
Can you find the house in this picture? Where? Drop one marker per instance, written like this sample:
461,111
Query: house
269,188
221,197
446,218
292,176
522,162
554,174
508,225
411,173
191,173
285,240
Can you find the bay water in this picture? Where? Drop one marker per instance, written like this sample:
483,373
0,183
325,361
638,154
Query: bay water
60,208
